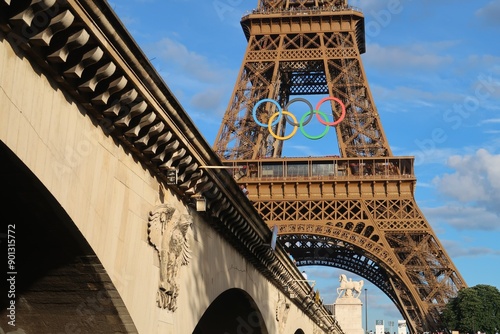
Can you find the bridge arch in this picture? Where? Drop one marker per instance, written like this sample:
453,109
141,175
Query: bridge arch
60,285
233,311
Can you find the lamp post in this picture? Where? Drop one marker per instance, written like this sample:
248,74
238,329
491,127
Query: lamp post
366,311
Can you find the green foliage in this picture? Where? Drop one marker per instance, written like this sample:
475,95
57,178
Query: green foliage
474,309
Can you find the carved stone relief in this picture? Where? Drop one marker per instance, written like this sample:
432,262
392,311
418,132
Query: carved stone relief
167,232
282,309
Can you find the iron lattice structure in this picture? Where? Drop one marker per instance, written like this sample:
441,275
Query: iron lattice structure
357,211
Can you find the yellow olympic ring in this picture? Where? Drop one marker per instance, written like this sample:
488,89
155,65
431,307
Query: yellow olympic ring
269,125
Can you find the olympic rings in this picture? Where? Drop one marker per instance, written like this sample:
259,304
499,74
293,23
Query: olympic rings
305,119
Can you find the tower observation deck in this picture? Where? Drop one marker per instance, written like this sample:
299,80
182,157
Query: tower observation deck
355,211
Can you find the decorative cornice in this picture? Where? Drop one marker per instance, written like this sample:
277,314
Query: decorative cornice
82,45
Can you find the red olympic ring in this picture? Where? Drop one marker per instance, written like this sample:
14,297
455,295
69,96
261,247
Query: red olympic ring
331,98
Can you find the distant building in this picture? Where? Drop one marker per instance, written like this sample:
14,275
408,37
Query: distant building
402,327
379,326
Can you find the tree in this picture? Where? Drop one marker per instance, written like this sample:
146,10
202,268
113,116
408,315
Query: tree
474,309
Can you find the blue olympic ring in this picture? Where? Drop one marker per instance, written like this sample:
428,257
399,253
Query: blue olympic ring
254,111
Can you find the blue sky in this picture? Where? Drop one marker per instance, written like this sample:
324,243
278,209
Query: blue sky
434,71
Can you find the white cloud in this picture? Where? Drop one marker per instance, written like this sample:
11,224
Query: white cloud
400,99
483,61
429,153
209,99
476,181
456,249
482,170
490,121
407,57
177,56
463,217
201,84
489,14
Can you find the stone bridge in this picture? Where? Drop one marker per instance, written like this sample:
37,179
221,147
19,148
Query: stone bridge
111,223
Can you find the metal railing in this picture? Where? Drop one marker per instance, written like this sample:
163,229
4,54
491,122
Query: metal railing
322,168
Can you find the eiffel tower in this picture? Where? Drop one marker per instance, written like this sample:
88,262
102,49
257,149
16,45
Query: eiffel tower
356,211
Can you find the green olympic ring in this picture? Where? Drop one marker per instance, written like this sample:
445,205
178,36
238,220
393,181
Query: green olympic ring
327,128
321,116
